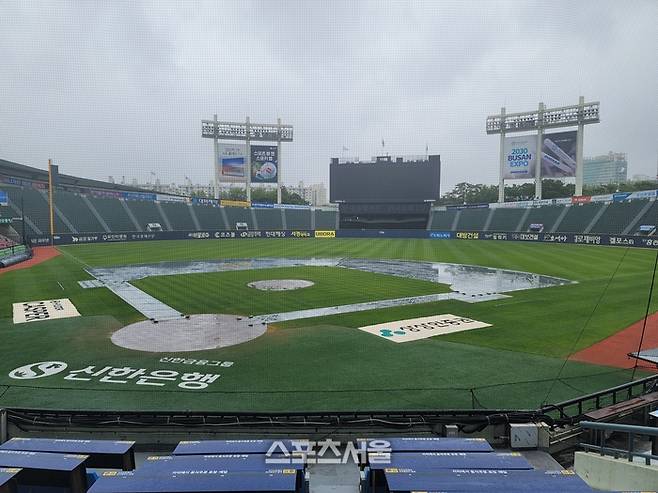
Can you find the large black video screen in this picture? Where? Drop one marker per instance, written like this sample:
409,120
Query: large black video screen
385,182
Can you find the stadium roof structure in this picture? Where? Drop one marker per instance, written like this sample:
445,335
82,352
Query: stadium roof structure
21,171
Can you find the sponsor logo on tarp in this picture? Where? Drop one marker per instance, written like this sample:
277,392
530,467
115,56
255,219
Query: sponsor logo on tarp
325,234
38,370
188,380
32,311
421,328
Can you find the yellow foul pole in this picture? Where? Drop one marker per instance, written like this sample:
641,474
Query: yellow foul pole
50,200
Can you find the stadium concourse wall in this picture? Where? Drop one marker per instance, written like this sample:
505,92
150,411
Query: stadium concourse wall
559,238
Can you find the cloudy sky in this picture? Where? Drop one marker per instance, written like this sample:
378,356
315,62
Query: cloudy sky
120,87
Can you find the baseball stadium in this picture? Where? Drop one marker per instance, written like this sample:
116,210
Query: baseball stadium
230,337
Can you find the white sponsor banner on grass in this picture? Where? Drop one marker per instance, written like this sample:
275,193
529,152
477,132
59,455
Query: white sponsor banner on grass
31,311
414,329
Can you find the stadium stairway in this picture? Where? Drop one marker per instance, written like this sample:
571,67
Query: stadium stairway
179,216
145,213
617,216
74,208
546,215
210,217
238,215
506,219
472,219
578,217
96,214
648,216
113,213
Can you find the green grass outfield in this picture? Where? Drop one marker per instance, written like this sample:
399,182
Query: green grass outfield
325,363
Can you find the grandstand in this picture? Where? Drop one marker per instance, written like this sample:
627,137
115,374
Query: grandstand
269,218
617,217
113,214
473,219
209,217
506,219
546,215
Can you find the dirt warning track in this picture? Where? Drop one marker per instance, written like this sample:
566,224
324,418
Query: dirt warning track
39,255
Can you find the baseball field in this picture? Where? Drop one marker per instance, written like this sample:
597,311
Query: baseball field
521,360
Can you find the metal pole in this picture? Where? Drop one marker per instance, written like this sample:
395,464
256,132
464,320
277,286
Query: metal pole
23,214
4,429
50,202
248,173
278,171
501,179
216,163
579,147
540,138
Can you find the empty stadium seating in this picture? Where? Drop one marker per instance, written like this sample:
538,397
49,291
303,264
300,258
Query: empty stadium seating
650,217
473,219
506,219
238,215
145,213
77,211
298,219
443,220
546,215
209,217
325,219
179,216
617,216
36,207
578,218
269,218
112,213
93,214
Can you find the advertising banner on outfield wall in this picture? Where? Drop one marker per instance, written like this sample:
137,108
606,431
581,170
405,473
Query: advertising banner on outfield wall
520,157
264,164
232,163
4,200
558,155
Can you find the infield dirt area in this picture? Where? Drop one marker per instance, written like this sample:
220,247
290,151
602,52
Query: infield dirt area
613,351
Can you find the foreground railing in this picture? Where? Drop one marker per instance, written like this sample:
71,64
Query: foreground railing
599,438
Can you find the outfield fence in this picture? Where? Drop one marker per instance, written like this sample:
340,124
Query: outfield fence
554,238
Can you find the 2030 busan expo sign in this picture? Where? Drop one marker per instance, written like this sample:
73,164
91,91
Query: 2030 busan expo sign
421,328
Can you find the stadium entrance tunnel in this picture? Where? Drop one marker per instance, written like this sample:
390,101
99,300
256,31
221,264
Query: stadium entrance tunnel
196,333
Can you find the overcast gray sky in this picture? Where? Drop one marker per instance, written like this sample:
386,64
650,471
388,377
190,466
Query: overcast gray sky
119,87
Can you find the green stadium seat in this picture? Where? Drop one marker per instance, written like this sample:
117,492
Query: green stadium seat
209,217
473,219
238,215
146,212
179,216
77,212
269,218
298,218
506,219
578,218
546,215
112,213
325,219
617,216
442,220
